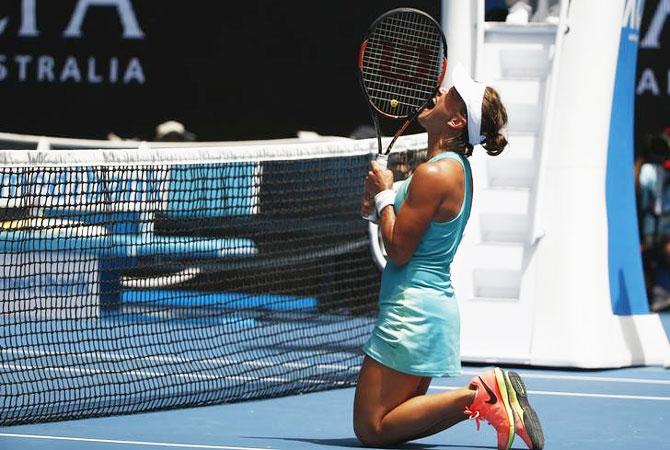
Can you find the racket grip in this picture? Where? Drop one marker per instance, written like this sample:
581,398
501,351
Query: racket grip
382,160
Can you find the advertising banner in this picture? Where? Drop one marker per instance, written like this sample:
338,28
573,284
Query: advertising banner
652,110
256,69
625,265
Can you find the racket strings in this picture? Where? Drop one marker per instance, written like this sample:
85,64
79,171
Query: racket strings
409,42
413,95
409,95
384,90
427,36
407,48
405,61
402,63
411,33
403,73
428,64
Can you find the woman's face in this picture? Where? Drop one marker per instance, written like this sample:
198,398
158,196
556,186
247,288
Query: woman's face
445,105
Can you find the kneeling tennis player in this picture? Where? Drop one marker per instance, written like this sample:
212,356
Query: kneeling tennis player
417,333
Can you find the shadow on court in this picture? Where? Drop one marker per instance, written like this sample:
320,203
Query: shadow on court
353,443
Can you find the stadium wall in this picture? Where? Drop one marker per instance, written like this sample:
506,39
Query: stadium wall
227,70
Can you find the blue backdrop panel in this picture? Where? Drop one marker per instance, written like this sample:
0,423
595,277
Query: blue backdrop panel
625,265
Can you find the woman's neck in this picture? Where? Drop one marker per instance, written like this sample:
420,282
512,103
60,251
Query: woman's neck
439,144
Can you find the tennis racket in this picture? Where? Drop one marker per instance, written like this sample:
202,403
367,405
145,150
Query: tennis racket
402,61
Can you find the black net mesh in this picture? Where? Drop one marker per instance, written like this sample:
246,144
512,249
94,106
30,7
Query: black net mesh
129,288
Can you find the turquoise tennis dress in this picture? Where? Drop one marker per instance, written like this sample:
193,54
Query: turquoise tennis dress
418,327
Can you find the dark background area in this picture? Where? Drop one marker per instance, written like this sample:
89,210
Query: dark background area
227,70
652,108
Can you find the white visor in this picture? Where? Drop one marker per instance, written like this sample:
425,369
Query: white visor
472,94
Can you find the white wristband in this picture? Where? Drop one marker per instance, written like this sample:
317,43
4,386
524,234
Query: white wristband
383,199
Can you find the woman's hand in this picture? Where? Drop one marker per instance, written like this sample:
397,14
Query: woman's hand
378,180
367,204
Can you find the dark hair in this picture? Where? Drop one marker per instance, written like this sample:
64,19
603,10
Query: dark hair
494,118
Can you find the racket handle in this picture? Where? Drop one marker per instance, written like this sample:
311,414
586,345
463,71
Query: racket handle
382,160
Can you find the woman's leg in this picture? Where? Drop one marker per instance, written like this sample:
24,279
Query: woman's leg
391,407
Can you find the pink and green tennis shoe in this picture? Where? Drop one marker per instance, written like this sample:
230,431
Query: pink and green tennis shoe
526,422
501,400
492,404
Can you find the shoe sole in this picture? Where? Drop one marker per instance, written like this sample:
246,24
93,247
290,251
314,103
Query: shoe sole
502,387
519,401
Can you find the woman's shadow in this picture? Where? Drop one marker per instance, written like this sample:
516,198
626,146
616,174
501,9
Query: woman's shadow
354,443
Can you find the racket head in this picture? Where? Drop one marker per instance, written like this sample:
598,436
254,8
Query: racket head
402,62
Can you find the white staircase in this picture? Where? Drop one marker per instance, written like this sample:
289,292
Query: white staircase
532,273
493,273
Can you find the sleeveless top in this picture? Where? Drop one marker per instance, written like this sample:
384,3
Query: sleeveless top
429,267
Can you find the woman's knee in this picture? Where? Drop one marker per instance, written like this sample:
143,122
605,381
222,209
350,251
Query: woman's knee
368,433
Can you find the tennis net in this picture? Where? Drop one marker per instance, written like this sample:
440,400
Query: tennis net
138,280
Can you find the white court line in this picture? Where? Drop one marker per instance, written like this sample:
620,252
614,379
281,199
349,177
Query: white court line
113,441
574,394
583,378
107,356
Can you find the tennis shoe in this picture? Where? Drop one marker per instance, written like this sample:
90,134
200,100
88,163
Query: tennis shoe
491,404
526,422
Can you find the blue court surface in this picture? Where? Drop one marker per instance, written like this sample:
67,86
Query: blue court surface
580,409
